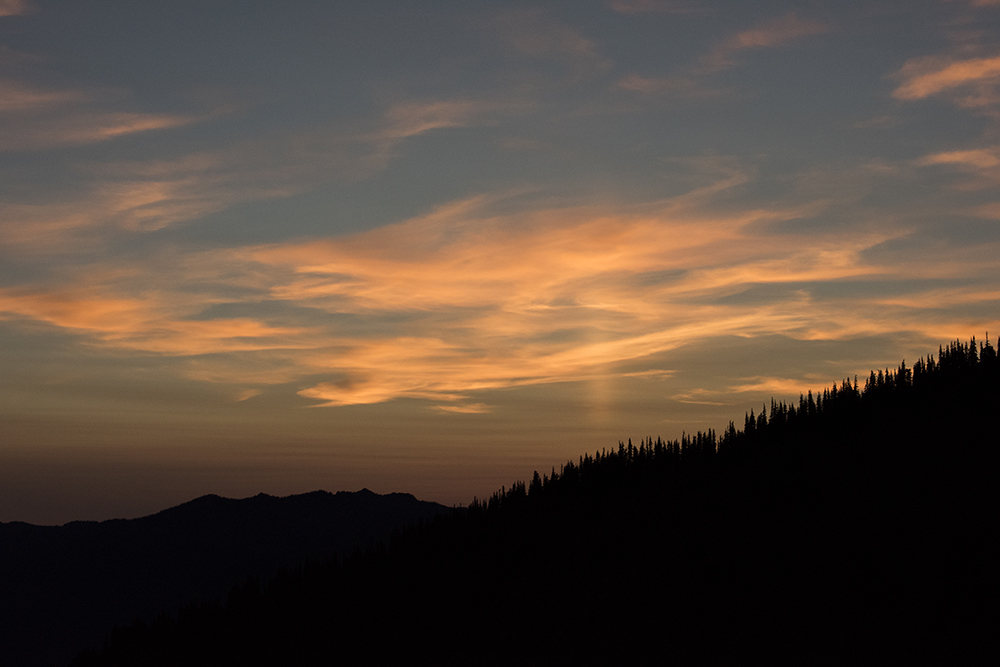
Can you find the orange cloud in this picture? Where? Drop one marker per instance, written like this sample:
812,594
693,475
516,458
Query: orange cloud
137,197
773,33
43,118
147,325
980,158
522,282
135,206
778,386
80,128
942,298
483,293
466,409
492,258
409,119
981,166
689,84
974,80
16,96
412,118
247,394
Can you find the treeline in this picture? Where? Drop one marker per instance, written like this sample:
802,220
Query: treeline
854,527
905,413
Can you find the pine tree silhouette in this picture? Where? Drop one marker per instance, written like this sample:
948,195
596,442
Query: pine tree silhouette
854,528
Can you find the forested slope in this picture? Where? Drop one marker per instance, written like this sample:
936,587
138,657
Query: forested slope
852,528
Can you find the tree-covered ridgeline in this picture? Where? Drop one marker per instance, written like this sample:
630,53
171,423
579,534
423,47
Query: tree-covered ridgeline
852,528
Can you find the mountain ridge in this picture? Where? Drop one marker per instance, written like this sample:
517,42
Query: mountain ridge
65,586
213,497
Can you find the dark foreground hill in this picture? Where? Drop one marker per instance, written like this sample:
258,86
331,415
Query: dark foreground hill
853,528
63,587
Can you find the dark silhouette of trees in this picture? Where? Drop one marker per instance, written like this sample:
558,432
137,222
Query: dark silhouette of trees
854,527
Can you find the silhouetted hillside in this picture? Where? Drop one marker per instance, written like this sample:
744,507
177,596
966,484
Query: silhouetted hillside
63,587
853,528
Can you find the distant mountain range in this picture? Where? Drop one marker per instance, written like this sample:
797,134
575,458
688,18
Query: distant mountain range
65,587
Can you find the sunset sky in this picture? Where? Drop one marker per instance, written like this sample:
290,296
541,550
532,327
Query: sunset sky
430,247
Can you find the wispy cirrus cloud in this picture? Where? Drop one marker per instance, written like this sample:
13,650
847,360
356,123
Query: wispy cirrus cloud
143,196
980,167
977,158
133,197
35,118
406,119
487,293
774,385
147,324
969,82
769,34
759,386
690,82
412,118
83,128
17,96
466,409
967,74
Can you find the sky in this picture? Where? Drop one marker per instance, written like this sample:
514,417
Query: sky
431,247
